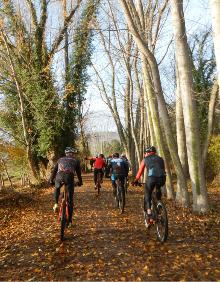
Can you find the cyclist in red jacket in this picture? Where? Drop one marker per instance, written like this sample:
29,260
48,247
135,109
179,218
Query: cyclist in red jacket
98,165
156,177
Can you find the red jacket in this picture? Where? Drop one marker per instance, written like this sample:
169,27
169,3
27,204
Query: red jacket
99,163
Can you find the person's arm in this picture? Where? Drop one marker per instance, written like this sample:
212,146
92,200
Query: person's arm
53,173
140,171
78,172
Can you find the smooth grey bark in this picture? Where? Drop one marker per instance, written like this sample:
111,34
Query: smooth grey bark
212,103
215,11
196,169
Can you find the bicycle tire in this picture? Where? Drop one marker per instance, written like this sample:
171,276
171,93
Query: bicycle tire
161,221
63,221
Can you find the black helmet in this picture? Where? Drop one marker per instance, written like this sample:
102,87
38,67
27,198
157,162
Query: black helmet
70,150
101,156
150,149
116,155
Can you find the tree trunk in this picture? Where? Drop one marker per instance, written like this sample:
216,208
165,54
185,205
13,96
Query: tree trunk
200,201
156,125
215,10
212,103
180,129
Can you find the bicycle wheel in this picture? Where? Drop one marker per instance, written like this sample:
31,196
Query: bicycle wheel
161,221
63,220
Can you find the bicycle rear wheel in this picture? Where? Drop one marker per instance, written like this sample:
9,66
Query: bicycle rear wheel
161,221
63,221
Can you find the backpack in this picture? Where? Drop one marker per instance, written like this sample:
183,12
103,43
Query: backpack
117,167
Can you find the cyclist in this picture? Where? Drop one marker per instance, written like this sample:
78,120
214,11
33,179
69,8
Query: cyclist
63,173
99,164
123,157
156,177
118,169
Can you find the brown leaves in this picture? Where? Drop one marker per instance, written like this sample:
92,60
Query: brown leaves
104,245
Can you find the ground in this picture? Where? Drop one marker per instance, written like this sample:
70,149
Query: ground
103,244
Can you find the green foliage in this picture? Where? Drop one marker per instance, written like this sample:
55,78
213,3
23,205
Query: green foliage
77,71
213,163
202,53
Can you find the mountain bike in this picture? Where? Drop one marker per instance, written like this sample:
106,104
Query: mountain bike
126,185
63,216
159,215
120,195
160,218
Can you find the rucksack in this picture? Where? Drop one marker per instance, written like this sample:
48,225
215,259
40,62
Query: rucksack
117,167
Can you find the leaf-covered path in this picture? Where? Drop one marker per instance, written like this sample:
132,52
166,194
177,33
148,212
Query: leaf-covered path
104,245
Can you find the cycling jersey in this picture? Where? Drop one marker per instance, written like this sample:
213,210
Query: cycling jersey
99,163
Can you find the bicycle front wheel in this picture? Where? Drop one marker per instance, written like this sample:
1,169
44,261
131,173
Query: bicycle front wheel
161,222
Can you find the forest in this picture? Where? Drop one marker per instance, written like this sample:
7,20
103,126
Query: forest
154,75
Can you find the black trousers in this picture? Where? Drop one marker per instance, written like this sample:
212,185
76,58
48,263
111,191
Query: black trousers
153,182
96,171
68,180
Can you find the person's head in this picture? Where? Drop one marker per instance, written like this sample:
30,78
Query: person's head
101,156
69,151
116,155
123,156
150,150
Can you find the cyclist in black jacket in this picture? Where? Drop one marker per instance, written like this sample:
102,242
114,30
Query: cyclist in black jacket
63,173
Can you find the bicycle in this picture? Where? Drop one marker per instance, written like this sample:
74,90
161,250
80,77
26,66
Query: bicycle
159,215
120,195
63,216
126,185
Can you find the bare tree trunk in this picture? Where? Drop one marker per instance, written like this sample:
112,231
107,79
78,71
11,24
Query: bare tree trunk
180,128
215,10
6,171
153,107
212,103
196,170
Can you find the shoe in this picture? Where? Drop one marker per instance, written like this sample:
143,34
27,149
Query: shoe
70,224
55,208
148,220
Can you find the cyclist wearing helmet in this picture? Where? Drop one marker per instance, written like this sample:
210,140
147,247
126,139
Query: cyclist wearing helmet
123,157
156,176
118,169
99,164
63,173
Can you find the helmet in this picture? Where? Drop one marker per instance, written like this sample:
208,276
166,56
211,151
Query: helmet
150,149
116,155
101,156
70,150
123,156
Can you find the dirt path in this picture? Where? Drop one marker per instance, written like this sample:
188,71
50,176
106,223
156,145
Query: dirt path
104,245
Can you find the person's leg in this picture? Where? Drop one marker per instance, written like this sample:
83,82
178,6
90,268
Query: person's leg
114,188
148,189
70,189
95,176
160,182
57,191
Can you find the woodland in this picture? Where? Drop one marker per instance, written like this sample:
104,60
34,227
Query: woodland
158,78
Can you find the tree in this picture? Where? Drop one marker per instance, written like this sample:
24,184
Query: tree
215,9
196,169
